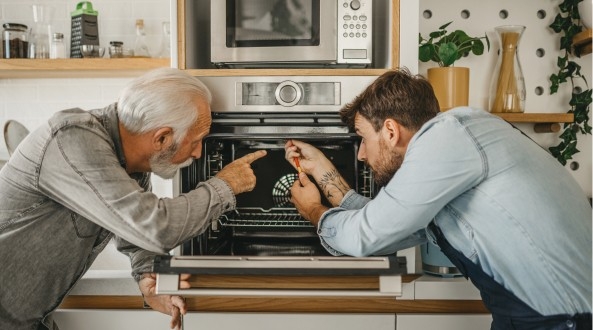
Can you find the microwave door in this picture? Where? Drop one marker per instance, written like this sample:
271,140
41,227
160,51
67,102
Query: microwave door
252,31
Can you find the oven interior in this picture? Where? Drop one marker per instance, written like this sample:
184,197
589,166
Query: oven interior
265,222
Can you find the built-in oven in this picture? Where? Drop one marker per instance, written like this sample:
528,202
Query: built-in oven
265,234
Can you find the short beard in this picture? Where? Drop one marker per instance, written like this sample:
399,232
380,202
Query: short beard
388,163
161,164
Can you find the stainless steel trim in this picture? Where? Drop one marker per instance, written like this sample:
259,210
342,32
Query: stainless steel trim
389,286
280,262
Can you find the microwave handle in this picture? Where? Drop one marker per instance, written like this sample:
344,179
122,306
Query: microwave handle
389,286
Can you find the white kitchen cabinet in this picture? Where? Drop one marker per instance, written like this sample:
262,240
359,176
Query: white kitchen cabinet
444,321
288,321
111,319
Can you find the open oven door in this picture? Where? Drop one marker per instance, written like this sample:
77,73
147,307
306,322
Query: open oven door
283,276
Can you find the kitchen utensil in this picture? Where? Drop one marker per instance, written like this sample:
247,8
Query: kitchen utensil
14,133
90,51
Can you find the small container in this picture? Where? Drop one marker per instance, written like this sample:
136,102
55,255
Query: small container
15,43
116,49
57,49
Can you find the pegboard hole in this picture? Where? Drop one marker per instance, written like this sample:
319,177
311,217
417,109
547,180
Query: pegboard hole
504,14
465,14
539,90
577,90
574,166
541,14
427,14
540,52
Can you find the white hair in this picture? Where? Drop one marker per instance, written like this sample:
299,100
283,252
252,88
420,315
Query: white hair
163,97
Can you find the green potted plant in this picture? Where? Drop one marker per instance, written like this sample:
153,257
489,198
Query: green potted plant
445,48
568,24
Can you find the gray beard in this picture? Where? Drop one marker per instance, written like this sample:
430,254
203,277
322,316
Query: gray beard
161,164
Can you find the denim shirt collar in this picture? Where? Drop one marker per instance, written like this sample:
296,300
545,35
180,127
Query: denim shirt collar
110,121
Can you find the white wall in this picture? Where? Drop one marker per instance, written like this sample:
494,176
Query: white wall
484,16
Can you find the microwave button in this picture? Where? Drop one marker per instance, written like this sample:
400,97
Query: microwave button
351,34
355,5
358,34
364,35
363,18
358,26
345,34
347,17
352,26
345,26
354,18
345,5
364,26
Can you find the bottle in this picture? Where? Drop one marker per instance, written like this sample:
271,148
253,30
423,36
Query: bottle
140,45
165,50
57,47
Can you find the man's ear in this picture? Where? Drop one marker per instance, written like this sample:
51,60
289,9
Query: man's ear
162,138
391,132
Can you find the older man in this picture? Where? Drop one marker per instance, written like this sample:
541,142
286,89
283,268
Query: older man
83,178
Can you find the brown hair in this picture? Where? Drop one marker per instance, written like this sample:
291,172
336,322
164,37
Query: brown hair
396,94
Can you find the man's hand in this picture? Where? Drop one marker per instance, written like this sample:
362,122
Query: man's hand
170,305
239,174
313,162
306,199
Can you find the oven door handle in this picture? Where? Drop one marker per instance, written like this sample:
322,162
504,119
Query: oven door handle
389,286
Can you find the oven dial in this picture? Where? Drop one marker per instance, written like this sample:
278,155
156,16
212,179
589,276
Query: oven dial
288,93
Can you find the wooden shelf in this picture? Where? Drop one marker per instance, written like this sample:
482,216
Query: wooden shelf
536,117
582,42
78,67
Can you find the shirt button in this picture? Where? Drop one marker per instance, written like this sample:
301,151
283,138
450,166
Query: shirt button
570,324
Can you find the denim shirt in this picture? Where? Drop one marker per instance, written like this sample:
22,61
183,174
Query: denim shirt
64,194
499,199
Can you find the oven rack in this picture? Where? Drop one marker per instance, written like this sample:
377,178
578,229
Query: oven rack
256,217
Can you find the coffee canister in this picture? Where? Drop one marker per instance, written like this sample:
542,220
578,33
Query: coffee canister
15,42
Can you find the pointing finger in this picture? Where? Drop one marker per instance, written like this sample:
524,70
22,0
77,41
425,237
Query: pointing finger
250,158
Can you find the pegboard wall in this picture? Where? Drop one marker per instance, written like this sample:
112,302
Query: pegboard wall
538,53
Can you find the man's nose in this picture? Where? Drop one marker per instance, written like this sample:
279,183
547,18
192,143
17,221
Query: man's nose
197,152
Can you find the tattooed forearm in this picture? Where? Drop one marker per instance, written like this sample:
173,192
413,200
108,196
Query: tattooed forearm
333,186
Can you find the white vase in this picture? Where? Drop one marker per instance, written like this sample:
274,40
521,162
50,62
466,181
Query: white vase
585,9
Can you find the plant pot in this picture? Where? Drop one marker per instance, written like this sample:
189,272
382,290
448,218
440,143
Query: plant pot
450,85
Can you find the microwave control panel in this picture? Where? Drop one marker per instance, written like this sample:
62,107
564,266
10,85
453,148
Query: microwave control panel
355,31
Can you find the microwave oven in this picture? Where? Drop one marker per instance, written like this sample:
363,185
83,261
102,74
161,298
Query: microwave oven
300,33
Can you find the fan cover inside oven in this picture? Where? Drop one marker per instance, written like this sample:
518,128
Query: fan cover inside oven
281,190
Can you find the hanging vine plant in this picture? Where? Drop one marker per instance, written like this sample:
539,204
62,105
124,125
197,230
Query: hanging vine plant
567,22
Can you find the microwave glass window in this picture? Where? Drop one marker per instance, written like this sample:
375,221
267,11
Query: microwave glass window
270,23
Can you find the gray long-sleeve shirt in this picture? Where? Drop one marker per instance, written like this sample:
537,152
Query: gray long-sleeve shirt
64,194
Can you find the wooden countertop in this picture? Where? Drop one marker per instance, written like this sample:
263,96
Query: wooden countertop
451,303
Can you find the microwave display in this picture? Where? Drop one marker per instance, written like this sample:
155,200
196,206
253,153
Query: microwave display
271,23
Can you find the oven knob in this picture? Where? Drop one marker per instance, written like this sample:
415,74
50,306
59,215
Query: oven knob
355,5
288,93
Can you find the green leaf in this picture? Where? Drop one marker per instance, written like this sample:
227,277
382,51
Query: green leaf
478,47
425,52
448,53
442,27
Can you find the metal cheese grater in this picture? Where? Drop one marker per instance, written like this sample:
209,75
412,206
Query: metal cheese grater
84,28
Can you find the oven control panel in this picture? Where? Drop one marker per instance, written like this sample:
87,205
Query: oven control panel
288,93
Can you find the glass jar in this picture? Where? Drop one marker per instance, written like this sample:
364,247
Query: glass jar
507,87
15,43
116,49
57,49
